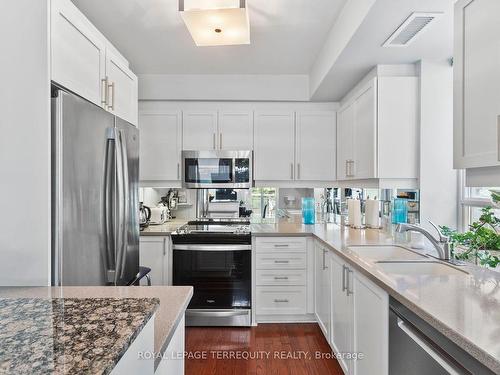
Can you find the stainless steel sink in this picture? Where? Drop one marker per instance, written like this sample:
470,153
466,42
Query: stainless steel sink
422,268
388,252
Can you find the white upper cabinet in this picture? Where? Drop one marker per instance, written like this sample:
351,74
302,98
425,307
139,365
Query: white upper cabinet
345,139
364,162
121,90
274,146
235,130
476,83
199,130
160,146
78,52
315,146
377,131
84,62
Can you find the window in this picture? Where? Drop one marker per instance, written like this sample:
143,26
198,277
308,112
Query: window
472,201
264,202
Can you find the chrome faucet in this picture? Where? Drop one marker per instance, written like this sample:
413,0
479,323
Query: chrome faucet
442,245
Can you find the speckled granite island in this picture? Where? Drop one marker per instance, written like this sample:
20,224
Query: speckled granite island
83,330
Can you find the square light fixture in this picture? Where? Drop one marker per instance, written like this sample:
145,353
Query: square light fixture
216,22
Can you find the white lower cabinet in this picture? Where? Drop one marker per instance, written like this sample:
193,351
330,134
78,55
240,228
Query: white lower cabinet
322,304
281,279
154,253
172,362
360,321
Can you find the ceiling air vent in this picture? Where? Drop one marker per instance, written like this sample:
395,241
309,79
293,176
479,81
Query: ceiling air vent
412,27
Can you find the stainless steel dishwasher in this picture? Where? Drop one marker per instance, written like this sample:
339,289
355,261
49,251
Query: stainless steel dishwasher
416,348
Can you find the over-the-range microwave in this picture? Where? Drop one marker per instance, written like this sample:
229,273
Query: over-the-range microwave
217,169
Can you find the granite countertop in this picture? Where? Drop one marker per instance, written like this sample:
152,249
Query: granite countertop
465,308
173,301
69,335
163,229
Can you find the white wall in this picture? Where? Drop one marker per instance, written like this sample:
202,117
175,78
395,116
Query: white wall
24,144
438,180
224,87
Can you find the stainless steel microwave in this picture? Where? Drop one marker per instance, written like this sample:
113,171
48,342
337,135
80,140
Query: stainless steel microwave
217,169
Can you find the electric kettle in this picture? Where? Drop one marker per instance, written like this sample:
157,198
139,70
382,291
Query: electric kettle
144,216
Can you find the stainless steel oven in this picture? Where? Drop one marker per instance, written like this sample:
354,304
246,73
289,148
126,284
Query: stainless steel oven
217,169
216,260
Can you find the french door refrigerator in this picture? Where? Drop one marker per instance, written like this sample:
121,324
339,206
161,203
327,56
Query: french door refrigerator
95,181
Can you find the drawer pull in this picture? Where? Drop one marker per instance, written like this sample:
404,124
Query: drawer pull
282,261
281,301
280,277
281,245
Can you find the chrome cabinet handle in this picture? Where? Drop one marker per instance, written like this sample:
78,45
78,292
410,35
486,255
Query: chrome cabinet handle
164,246
347,168
343,277
281,300
324,259
220,141
280,277
104,91
281,245
178,171
214,141
111,97
281,261
352,168
298,171
348,284
291,171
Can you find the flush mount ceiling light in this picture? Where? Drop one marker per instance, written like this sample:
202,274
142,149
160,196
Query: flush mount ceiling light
216,22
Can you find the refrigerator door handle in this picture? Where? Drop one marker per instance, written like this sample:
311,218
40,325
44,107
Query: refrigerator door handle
119,206
110,205
125,208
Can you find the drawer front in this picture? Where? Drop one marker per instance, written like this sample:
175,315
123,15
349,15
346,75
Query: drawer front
281,244
281,300
281,277
267,261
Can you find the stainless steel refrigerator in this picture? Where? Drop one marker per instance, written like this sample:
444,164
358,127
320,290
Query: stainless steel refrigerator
95,182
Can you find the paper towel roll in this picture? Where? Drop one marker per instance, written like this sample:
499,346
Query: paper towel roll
372,213
350,212
356,214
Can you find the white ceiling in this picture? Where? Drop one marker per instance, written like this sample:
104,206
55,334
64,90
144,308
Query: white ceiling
286,36
365,50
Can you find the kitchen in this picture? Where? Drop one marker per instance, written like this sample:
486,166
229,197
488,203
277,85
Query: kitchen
250,187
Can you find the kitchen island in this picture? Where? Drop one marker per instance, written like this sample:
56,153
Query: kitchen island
86,329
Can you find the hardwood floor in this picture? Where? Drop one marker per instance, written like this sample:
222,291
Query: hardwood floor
268,349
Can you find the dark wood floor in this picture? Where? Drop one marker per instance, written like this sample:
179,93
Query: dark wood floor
272,344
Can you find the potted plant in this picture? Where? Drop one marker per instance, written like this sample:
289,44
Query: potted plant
481,243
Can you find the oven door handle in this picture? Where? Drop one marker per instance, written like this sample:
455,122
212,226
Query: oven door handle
217,314
192,247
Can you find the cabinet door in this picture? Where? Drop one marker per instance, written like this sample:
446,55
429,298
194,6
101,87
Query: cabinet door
476,83
322,290
316,146
274,146
78,52
235,130
365,136
122,88
345,136
160,146
153,254
199,130
342,312
371,327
